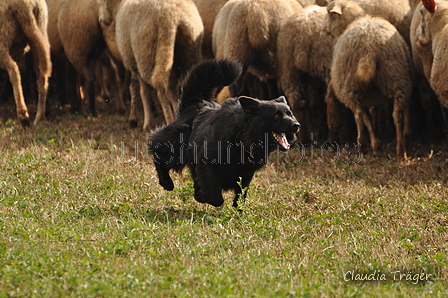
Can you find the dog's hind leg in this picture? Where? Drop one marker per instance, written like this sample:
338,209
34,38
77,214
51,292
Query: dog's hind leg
164,176
197,188
241,189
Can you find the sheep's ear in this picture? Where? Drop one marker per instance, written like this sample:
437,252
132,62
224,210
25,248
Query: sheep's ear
333,8
430,5
249,104
281,99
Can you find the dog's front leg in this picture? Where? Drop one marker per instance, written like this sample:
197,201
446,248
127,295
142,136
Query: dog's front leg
197,187
210,184
164,176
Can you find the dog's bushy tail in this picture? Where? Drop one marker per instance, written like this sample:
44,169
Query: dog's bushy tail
203,81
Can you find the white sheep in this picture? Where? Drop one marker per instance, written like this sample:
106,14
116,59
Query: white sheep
158,41
397,12
305,50
372,66
22,22
246,31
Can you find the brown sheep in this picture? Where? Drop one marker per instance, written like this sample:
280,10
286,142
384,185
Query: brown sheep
397,12
22,22
246,31
371,66
158,41
75,33
304,49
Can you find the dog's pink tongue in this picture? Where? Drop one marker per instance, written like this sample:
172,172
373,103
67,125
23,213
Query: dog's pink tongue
283,141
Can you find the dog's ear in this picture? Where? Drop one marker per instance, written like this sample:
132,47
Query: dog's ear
281,99
249,104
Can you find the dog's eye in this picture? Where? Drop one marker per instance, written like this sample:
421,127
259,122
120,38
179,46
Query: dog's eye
278,114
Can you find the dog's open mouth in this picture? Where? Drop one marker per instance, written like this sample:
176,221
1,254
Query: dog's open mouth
281,139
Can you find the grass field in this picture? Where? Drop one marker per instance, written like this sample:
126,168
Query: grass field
82,215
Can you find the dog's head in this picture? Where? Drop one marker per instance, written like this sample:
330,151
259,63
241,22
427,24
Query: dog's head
268,119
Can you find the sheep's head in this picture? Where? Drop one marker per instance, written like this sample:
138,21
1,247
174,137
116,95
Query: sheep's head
341,14
423,34
433,20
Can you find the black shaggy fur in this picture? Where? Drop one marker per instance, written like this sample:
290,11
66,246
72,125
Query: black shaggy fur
221,144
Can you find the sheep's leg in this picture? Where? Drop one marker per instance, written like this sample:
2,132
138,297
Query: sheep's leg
368,122
359,119
407,129
298,106
375,115
145,93
103,78
42,86
90,94
165,102
40,49
172,96
122,80
333,114
398,121
86,78
71,89
134,90
303,134
11,66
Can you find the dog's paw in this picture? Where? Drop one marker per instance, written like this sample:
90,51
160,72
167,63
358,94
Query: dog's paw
198,198
216,202
167,184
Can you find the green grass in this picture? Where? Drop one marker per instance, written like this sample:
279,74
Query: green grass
82,215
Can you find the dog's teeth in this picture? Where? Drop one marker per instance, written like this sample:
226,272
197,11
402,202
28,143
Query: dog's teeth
282,140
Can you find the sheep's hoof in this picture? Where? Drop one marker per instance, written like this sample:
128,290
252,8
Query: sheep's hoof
133,123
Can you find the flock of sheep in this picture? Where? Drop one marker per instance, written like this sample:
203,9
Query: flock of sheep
362,53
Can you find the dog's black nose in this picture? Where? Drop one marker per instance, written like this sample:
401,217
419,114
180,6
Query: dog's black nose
296,126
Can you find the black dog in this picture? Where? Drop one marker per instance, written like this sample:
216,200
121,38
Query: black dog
223,145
